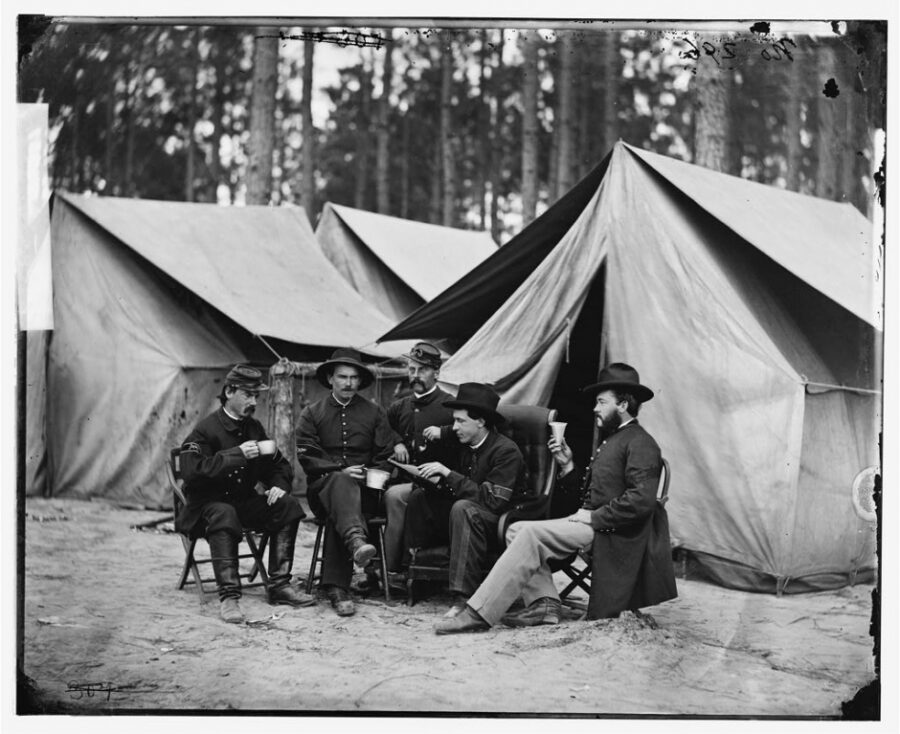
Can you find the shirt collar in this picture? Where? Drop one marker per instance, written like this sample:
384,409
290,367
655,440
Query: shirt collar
478,445
233,417
417,396
338,403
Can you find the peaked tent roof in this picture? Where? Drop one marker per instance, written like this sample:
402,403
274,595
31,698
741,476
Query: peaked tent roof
827,244
258,265
461,309
426,257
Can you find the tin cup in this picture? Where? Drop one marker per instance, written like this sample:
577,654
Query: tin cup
266,448
376,478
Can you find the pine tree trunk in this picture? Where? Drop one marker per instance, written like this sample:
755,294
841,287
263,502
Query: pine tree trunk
612,69
109,138
262,116
530,91
382,162
404,170
829,133
190,147
714,144
567,116
793,149
483,127
362,138
496,135
307,150
448,208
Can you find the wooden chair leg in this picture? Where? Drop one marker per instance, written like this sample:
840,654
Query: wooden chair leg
384,569
195,572
310,580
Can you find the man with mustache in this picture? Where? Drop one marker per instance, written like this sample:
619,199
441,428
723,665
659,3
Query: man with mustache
620,521
422,423
221,465
485,475
338,437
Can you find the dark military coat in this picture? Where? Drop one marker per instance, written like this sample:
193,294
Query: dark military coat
631,556
412,414
214,468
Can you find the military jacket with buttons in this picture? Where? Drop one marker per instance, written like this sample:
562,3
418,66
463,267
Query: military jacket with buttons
331,436
493,475
411,415
621,481
215,469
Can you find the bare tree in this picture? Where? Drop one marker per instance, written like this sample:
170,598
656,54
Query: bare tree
262,116
714,144
496,157
363,134
382,160
829,109
566,111
307,150
448,209
530,91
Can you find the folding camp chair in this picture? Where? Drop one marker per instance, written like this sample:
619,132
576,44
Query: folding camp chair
257,540
578,565
529,428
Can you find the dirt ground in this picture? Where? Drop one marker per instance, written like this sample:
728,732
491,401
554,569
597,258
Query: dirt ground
101,610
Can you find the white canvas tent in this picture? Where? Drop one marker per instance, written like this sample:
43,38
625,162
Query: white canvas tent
153,301
753,312
398,264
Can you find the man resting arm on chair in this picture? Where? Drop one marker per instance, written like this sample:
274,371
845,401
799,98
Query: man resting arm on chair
619,500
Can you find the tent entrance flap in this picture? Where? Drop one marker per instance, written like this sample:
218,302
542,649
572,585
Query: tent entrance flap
579,369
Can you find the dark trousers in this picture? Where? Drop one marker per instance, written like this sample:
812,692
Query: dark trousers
250,512
470,529
338,500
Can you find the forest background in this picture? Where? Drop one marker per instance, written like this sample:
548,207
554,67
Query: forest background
467,126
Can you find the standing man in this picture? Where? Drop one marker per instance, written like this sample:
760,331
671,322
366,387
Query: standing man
423,424
339,437
620,520
465,507
221,464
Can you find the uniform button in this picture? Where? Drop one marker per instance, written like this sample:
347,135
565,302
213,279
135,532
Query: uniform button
415,410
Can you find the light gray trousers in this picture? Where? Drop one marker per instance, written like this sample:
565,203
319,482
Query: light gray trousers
522,570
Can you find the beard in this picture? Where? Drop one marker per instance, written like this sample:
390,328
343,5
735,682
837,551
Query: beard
608,425
417,383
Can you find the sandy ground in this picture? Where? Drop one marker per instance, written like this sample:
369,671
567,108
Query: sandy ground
101,608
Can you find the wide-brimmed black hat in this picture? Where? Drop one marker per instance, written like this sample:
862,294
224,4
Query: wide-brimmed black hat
345,356
620,376
477,396
426,354
245,377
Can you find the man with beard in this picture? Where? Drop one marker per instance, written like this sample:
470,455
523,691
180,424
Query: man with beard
221,464
338,438
619,520
422,423
487,475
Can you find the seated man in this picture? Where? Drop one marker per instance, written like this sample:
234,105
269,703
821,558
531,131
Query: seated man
221,464
618,520
465,507
338,437
422,423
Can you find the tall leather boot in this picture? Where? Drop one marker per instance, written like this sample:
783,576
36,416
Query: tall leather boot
223,548
281,561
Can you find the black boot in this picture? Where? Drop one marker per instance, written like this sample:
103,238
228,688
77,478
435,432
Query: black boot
361,550
223,548
281,561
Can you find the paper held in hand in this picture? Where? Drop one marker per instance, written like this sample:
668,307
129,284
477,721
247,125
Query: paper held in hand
413,471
